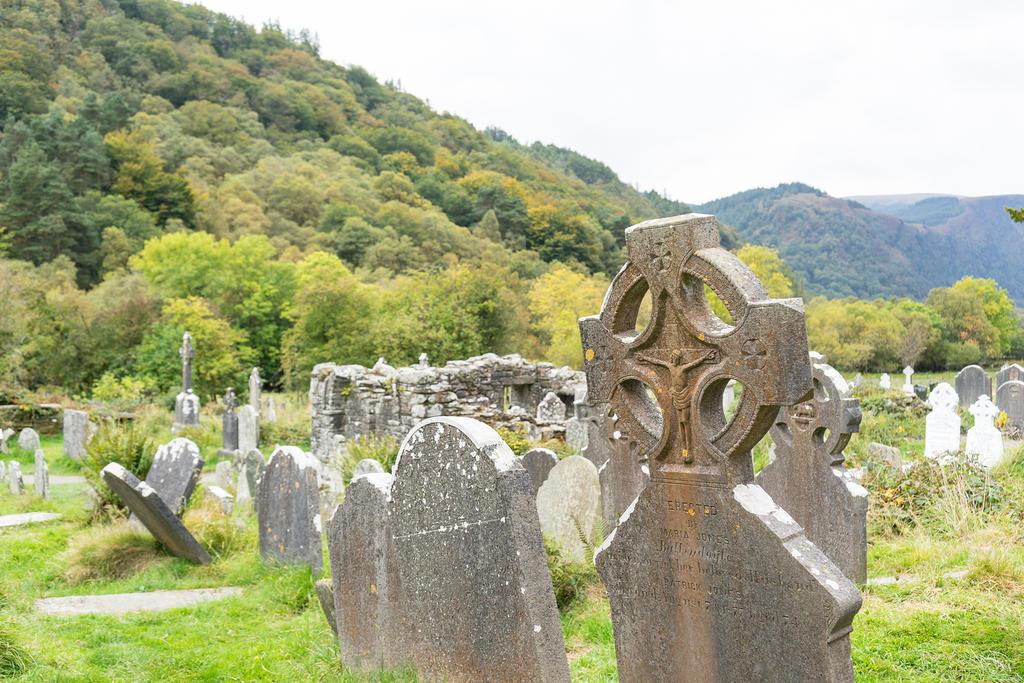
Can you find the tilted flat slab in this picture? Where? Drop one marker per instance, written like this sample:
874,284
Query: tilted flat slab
123,603
27,518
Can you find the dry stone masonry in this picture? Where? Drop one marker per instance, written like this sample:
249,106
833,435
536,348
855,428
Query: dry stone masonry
708,578
807,477
350,401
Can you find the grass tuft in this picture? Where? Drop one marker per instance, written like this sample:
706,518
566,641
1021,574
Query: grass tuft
110,552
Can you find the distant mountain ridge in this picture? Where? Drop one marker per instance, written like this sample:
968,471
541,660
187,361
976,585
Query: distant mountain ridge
884,245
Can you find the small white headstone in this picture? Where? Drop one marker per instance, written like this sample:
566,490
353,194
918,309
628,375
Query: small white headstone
908,386
942,426
885,381
984,440
550,409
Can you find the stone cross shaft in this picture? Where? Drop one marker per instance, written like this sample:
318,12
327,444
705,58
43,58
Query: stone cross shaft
187,353
665,383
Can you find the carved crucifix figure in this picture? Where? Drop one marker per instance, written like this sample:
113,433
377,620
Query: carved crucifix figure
187,353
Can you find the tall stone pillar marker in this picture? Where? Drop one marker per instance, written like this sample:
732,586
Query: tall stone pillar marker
186,404
255,390
708,578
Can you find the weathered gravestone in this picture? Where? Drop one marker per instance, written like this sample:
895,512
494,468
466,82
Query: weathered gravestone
469,574
885,382
807,477
550,409
76,433
271,413
229,426
248,429
1009,373
622,477
576,426
173,475
984,440
224,475
3,470
325,595
14,478
908,385
569,505
857,380
1010,399
221,497
289,510
28,440
972,382
154,513
367,466
249,478
186,403
942,425
707,577
538,462
41,478
255,390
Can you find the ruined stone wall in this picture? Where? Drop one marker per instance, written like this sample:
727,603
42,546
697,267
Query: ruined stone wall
350,400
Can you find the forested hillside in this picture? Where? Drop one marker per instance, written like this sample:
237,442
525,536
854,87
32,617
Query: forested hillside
841,247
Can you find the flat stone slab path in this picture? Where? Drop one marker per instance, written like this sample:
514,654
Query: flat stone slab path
123,603
27,518
57,479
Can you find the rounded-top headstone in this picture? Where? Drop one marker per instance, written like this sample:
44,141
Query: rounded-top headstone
569,505
288,509
28,440
1010,399
538,462
1009,373
972,382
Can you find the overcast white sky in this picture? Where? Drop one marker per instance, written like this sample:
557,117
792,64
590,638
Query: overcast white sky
702,100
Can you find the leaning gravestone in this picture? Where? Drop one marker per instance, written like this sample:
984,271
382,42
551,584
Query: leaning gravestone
14,478
248,429
368,604
1010,399
186,403
807,477
885,382
984,440
229,426
471,560
942,426
707,577
289,510
367,466
249,478
550,409
569,505
28,440
146,504
1009,373
972,382
76,433
325,595
538,462
41,478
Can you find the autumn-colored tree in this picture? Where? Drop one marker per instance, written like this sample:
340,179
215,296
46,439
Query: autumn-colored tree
558,299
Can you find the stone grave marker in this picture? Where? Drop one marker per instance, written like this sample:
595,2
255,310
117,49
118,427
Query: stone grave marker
622,477
288,509
1010,399
729,396
469,547
41,478
229,425
908,385
76,433
885,382
1009,373
367,466
569,505
972,382
271,412
857,380
186,403
224,475
147,506
707,577
255,390
368,603
807,478
424,362
248,429
218,495
888,454
942,425
325,595
249,478
984,440
538,462
28,440
3,470
14,478
550,409
175,472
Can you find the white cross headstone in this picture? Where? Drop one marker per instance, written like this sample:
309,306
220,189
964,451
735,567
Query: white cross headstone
908,386
984,440
942,426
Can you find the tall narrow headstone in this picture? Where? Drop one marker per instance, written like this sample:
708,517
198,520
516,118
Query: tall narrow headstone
76,433
469,549
255,390
538,462
1010,399
253,465
3,470
569,505
972,382
288,509
885,382
984,440
271,412
14,478
908,385
28,440
229,425
248,429
41,478
942,426
186,403
1009,373
807,477
707,577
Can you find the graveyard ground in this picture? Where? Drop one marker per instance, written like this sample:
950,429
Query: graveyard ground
954,537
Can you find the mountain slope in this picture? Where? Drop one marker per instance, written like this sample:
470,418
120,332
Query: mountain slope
842,247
